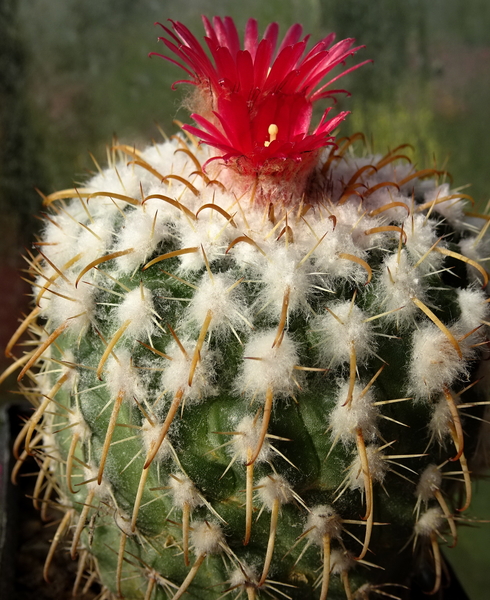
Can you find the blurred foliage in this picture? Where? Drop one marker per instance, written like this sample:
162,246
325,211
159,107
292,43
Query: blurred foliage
88,76
430,82
74,73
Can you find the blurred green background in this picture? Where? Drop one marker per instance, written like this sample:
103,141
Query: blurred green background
74,73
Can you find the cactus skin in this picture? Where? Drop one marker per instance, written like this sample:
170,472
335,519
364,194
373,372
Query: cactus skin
205,358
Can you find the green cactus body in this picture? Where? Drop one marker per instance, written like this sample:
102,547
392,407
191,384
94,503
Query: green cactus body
246,390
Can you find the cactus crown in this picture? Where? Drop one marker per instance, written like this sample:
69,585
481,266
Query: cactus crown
258,324
254,106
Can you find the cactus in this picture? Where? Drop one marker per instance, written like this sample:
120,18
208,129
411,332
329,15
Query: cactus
255,360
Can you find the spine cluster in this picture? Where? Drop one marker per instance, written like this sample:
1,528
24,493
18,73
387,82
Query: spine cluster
197,358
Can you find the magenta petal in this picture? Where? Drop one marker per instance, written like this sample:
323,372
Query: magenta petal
328,126
175,62
251,36
205,136
318,94
225,65
321,46
262,63
208,28
186,36
232,36
209,127
296,81
292,36
249,89
303,111
265,116
284,63
245,70
271,33
168,32
234,118
329,94
220,31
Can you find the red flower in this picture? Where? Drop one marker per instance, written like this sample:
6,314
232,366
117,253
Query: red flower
255,105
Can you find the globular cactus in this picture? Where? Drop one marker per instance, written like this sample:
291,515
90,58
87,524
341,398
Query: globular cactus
254,361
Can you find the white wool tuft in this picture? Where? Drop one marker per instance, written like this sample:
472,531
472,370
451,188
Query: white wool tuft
321,521
102,491
137,307
272,488
246,439
70,304
474,309
353,221
450,208
274,367
213,237
142,231
360,413
247,256
399,283
435,363
343,330
95,241
441,420
43,297
338,240
341,561
421,236
150,432
385,196
78,425
206,537
122,376
282,273
122,178
165,155
175,377
61,236
429,482
477,252
228,307
429,522
184,492
123,521
243,576
378,467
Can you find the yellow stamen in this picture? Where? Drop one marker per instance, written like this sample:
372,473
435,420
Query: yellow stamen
272,131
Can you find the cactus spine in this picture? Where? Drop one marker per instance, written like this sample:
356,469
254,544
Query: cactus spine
253,368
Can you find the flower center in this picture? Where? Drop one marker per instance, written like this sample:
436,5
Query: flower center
272,131
245,90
